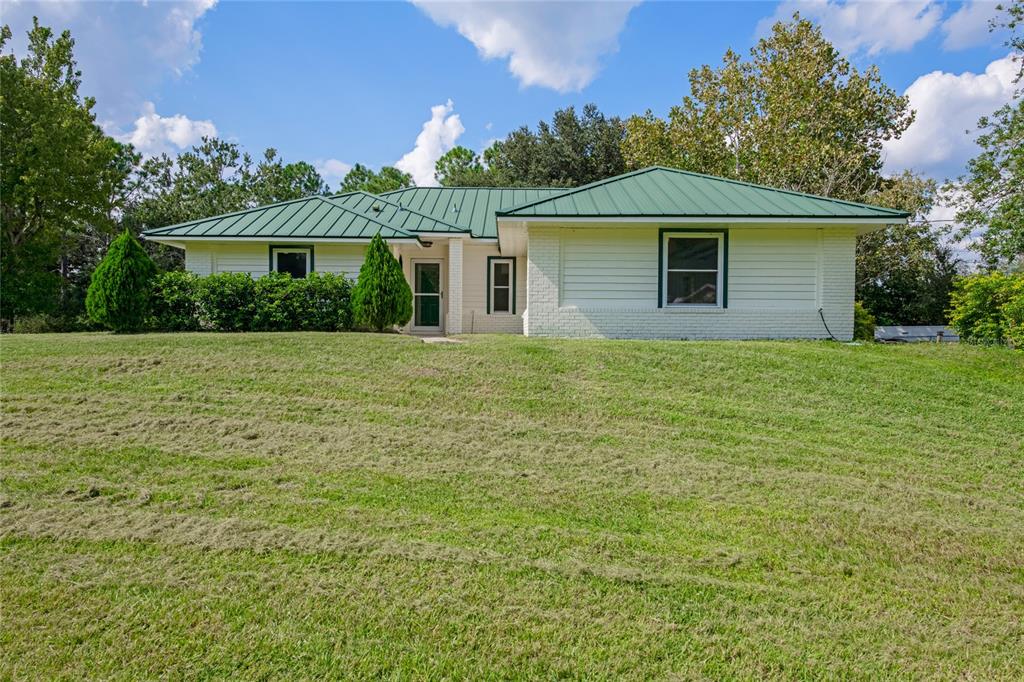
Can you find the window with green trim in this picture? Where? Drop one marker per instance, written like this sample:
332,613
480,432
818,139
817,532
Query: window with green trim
501,293
692,269
296,261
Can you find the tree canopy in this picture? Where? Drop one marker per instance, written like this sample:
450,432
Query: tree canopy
387,179
58,171
795,115
989,198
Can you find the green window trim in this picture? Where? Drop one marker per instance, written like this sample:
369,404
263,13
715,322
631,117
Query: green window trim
725,260
274,247
512,281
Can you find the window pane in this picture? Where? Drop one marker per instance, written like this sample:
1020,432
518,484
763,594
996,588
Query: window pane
501,301
428,278
693,253
692,287
501,271
292,263
428,311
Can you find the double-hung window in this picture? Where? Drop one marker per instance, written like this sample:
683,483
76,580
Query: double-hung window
296,261
693,267
501,290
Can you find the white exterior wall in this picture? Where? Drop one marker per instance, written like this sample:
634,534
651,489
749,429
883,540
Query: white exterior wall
207,258
603,282
475,318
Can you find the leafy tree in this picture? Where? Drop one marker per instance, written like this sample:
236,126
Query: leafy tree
211,178
572,150
59,173
989,308
905,273
273,180
119,295
989,198
381,298
795,115
461,167
361,178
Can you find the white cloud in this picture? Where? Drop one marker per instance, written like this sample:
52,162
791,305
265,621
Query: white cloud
332,170
968,26
557,45
948,106
437,137
124,49
863,26
154,134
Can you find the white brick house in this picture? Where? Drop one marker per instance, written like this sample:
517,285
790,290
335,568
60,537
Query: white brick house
658,253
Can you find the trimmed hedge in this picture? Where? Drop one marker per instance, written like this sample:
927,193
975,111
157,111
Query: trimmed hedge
989,308
235,302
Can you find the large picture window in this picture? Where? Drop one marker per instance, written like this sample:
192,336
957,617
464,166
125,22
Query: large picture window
501,274
296,261
692,269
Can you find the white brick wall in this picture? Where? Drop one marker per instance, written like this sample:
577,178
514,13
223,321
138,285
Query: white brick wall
454,319
765,312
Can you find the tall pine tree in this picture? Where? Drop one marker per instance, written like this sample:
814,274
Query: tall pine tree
381,298
119,293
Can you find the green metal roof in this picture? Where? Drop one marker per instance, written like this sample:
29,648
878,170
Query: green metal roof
310,218
657,192
469,208
393,213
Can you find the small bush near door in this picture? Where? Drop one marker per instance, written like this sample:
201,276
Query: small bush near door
382,298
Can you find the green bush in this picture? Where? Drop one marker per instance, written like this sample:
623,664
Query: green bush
227,301
119,292
988,308
274,304
381,298
175,303
323,302
863,323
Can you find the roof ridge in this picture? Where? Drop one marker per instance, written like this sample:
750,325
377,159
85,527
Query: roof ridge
569,191
755,185
400,206
406,189
327,200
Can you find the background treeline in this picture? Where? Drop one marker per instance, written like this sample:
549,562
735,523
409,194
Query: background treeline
793,113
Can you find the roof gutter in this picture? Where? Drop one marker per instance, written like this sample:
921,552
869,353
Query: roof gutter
174,241
895,220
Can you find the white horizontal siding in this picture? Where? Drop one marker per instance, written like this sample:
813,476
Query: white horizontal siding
777,280
254,258
609,268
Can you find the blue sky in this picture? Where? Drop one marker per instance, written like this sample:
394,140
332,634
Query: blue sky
386,83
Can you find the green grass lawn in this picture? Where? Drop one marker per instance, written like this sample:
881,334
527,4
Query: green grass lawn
336,505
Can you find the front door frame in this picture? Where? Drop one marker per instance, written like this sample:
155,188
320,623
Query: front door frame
439,329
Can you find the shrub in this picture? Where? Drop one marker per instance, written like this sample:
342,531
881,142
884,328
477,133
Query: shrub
323,302
274,306
381,298
226,301
988,308
119,293
863,323
175,303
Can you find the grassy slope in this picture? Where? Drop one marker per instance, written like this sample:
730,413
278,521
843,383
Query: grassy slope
364,505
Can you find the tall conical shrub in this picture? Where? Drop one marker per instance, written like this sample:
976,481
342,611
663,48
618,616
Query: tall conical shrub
118,296
381,297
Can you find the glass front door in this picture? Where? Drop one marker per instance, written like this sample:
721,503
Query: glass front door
427,295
